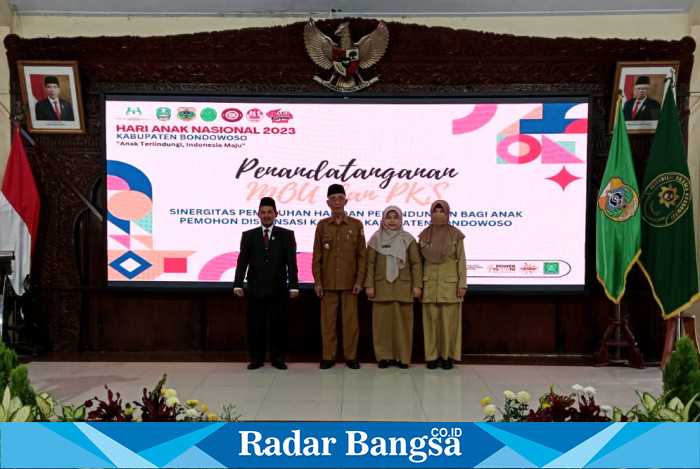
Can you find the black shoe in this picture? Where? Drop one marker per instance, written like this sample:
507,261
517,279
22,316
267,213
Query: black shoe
352,364
403,366
254,365
383,364
447,364
325,364
432,364
279,365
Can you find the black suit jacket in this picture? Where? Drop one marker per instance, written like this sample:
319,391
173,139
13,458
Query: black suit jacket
44,110
269,270
649,111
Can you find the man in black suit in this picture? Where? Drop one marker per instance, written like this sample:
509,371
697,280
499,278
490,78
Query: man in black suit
268,254
642,107
53,108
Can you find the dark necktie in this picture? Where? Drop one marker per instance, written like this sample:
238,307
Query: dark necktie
58,111
266,238
635,110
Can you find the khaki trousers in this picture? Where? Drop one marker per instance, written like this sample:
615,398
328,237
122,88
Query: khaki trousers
392,330
442,330
330,302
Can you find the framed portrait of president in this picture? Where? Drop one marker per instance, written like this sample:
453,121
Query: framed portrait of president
51,96
643,86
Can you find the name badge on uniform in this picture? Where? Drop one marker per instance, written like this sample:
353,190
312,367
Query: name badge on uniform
386,246
326,235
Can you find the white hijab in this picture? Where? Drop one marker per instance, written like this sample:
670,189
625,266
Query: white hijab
393,244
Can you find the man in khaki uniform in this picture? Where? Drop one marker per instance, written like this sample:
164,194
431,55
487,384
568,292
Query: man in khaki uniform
339,270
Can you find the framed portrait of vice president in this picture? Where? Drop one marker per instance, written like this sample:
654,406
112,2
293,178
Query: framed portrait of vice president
643,86
51,96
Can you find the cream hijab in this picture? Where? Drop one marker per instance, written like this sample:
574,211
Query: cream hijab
436,241
393,244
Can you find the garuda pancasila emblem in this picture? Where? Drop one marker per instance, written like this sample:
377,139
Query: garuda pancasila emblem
347,58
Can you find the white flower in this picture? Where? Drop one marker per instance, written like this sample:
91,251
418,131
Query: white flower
170,393
589,390
577,387
191,413
172,401
606,408
490,410
509,394
523,397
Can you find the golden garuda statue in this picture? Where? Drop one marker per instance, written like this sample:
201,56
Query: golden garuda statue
347,58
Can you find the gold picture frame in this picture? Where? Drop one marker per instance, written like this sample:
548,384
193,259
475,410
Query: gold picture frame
51,96
647,81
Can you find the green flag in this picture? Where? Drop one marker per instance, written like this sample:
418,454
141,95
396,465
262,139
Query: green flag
668,236
618,229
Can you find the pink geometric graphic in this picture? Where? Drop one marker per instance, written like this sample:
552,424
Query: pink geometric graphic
563,178
552,153
526,141
130,205
175,265
147,240
577,127
124,240
215,268
155,258
479,117
115,183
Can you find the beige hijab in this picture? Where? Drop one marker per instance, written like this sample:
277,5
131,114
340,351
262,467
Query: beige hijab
436,241
393,244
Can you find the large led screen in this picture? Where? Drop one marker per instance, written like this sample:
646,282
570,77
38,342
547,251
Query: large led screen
185,175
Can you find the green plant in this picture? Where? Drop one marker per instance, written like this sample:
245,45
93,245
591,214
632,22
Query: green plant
681,376
72,413
662,409
12,409
19,385
8,361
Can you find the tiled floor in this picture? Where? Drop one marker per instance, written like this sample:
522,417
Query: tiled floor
303,392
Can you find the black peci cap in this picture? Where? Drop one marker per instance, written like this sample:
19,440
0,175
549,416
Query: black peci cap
642,80
50,79
268,202
335,189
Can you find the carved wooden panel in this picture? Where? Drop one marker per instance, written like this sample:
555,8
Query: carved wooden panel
76,313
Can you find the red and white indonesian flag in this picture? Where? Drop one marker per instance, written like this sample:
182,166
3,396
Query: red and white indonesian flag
19,212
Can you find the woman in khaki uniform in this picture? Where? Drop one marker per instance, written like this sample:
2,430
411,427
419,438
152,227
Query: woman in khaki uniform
444,287
393,280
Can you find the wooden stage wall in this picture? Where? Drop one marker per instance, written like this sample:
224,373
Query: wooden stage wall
76,313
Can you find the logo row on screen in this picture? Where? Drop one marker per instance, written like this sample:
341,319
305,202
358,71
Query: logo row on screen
208,114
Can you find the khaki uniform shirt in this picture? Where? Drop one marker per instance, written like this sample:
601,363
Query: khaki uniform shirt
441,281
340,251
410,276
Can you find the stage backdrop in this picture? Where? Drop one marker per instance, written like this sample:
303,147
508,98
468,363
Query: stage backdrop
76,311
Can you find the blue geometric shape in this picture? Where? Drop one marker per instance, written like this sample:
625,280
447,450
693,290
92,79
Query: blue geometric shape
538,454
157,433
165,452
122,224
194,458
143,264
70,432
667,445
553,120
561,436
505,457
583,453
627,434
134,177
118,453
20,447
